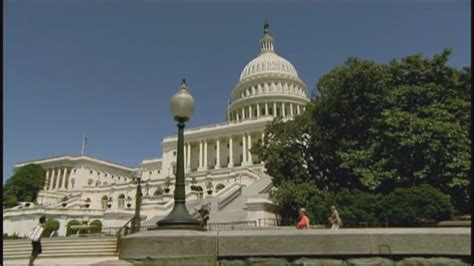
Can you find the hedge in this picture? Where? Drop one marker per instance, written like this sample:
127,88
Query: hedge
50,226
97,229
69,230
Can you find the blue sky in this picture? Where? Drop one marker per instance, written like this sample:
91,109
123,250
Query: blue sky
108,69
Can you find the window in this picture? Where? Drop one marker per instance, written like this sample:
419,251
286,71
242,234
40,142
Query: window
159,171
104,202
106,175
174,153
121,201
90,172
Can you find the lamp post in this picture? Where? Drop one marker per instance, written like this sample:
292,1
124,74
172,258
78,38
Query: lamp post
182,107
138,202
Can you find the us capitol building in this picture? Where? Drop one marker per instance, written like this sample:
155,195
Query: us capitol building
220,170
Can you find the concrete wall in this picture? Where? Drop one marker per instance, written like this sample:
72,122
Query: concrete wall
209,247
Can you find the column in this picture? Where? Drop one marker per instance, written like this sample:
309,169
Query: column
188,166
244,150
52,178
58,183
249,146
205,155
185,156
298,109
258,110
291,109
64,179
231,154
266,108
46,180
58,179
274,109
237,116
283,109
250,111
200,156
218,155
67,178
263,138
243,113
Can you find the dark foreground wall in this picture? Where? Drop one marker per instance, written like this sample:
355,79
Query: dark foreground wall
384,246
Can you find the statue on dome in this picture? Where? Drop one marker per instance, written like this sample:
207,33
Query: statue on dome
266,26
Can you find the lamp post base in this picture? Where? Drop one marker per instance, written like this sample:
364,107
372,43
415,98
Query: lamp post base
179,218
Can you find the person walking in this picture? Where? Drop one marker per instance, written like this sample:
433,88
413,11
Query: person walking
335,220
35,237
303,222
204,213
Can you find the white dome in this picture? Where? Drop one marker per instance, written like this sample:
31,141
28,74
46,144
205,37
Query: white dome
268,62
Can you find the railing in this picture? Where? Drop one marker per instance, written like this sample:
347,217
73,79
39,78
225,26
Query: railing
219,124
123,231
221,204
231,225
272,222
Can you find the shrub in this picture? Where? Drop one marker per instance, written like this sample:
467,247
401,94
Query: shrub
69,230
50,226
98,229
356,206
415,205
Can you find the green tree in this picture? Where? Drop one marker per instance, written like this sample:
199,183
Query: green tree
415,205
375,127
50,226
24,185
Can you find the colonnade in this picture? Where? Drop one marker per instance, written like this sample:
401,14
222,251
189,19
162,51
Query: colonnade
264,109
220,152
57,179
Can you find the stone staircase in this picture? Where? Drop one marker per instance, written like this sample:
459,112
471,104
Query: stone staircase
235,210
62,247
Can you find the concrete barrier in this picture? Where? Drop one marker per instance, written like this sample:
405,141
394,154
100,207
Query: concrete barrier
209,247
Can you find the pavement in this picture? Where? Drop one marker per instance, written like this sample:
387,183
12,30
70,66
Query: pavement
102,261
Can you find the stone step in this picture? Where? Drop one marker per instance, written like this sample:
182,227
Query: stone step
62,247
59,247
88,254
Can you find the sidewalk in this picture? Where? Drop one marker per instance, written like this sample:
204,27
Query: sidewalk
69,261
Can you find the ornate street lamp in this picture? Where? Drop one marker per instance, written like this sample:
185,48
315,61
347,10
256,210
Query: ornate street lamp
138,202
182,107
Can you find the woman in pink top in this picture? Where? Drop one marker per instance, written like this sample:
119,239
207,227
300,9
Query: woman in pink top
303,220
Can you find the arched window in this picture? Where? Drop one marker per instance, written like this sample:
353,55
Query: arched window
104,202
121,201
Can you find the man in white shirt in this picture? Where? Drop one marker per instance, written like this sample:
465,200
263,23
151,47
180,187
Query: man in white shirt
35,237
